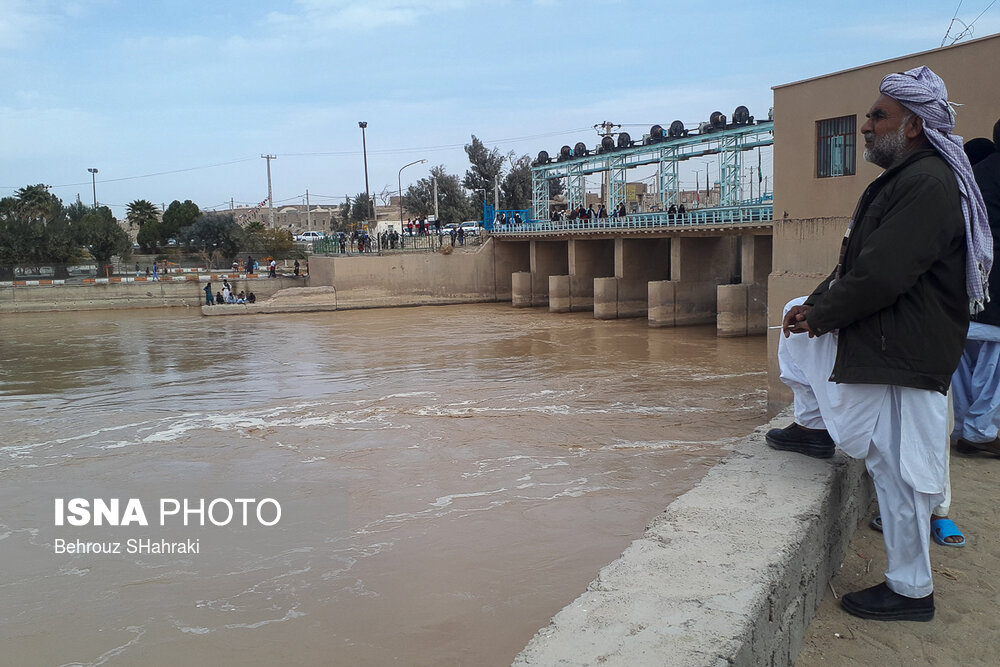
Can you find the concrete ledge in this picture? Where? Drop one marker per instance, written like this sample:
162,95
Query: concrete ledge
730,574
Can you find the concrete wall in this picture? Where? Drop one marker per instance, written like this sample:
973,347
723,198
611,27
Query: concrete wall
421,278
111,296
730,574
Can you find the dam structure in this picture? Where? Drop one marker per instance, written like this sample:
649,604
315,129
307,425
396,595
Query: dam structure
676,267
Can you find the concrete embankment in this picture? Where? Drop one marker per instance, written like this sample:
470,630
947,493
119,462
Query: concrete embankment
467,275
730,574
181,291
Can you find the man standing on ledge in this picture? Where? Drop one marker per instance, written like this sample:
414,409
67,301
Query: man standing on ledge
887,327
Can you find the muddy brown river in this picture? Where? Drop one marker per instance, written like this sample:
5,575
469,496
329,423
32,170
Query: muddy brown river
448,477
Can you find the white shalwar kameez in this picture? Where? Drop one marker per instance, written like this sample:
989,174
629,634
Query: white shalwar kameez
900,432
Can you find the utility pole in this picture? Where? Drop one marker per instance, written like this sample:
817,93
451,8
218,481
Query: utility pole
436,199
496,192
93,178
232,203
364,150
270,196
309,220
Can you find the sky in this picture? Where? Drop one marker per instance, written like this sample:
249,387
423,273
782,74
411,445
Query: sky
179,100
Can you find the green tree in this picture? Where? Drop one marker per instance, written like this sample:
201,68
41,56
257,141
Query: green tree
34,230
453,203
345,214
277,243
149,237
515,190
215,236
361,208
214,231
177,217
103,236
268,241
141,212
486,166
556,187
76,210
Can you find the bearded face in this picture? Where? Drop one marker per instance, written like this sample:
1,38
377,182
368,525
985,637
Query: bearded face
884,149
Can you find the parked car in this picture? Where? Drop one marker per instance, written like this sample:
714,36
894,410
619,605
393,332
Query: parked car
310,236
471,227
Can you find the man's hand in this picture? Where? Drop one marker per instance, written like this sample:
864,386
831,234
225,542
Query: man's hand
795,321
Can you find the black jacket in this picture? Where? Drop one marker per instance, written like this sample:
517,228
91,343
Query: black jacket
900,301
988,177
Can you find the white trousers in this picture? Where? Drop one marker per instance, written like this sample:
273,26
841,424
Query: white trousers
900,432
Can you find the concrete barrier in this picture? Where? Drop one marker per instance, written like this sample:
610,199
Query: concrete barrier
730,574
181,291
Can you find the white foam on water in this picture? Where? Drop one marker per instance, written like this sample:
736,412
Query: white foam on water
113,653
445,501
289,615
408,394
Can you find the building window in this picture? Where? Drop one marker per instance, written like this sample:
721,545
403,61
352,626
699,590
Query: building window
835,146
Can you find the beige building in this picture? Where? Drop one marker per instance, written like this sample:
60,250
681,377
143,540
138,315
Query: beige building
819,169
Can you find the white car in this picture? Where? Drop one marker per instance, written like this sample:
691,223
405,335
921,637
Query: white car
309,237
471,228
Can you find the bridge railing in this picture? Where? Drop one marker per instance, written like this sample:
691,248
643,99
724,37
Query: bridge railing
723,215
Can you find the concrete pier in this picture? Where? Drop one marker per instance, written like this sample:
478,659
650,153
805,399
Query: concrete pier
559,294
520,289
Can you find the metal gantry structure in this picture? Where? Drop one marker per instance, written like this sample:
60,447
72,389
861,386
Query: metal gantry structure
729,142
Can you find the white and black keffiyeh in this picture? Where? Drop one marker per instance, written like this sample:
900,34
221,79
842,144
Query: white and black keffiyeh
923,92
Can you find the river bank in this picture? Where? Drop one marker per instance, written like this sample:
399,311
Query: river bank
965,630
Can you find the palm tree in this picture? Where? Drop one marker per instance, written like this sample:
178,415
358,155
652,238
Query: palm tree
35,203
140,212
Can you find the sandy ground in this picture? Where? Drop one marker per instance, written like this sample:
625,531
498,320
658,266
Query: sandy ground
966,628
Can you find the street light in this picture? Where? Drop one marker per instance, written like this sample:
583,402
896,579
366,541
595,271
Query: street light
364,150
93,178
399,181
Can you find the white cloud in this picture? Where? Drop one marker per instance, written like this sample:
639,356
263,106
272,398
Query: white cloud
361,14
23,21
20,22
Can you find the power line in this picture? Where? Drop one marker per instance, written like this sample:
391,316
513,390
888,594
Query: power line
159,173
968,28
946,32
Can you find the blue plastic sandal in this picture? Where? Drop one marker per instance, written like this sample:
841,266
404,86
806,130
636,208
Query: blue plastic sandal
944,528
876,523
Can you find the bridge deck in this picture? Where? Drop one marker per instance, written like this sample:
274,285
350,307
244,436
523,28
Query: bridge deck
754,219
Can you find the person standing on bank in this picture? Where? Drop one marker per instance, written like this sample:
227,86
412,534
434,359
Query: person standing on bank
209,298
886,329
976,383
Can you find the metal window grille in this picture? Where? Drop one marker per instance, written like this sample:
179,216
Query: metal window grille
836,143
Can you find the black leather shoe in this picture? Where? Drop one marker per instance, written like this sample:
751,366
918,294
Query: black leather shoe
793,438
987,449
881,603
